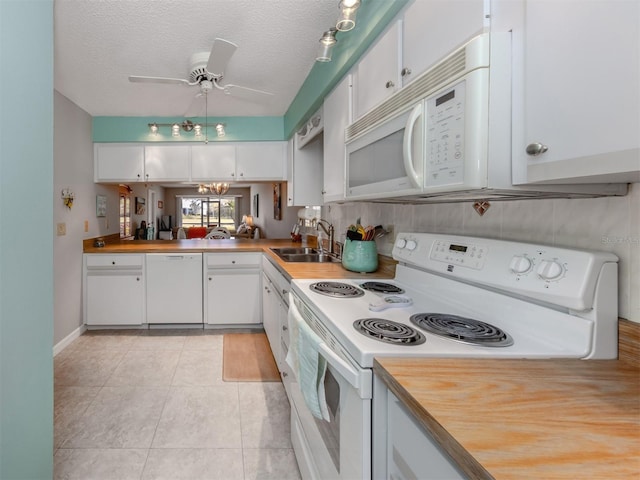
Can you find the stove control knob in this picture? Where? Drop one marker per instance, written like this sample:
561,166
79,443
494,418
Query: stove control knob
550,270
401,243
520,264
411,244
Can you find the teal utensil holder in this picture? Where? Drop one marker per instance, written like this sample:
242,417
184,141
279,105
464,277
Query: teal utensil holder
360,256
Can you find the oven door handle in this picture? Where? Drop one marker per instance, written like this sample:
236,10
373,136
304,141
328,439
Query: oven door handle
359,380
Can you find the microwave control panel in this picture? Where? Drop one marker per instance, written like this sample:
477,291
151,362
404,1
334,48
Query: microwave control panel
445,137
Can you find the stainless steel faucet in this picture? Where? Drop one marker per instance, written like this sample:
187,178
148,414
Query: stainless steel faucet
329,231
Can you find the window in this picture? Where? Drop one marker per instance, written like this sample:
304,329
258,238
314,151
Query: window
125,213
208,212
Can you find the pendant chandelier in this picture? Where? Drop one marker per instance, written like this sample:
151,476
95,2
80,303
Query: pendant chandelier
219,188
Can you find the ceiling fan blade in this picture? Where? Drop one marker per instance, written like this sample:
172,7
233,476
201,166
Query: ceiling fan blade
221,53
136,79
246,93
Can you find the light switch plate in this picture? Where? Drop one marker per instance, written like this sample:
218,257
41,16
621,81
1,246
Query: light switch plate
61,229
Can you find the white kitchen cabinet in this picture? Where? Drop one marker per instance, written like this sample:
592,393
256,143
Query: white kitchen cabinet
117,162
434,28
377,75
166,162
275,308
270,319
232,289
260,161
174,288
214,161
113,290
337,110
576,94
304,186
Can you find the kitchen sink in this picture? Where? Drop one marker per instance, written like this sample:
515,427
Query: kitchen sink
304,255
294,250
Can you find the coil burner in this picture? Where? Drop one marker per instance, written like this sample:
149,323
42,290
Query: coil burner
462,329
336,289
381,287
389,331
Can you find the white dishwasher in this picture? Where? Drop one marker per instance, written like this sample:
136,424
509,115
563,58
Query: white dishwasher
174,288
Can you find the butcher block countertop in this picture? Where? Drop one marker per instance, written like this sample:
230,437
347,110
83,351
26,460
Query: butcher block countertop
527,419
386,267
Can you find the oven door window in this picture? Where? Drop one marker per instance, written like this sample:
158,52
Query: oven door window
330,431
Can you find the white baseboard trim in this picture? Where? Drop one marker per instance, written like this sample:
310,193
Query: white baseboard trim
64,343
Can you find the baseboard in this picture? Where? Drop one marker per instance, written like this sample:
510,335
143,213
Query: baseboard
64,343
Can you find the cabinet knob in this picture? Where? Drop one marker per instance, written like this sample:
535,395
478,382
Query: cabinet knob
233,174
323,192
138,175
285,328
233,261
137,279
113,262
535,149
405,71
241,174
285,374
210,279
389,84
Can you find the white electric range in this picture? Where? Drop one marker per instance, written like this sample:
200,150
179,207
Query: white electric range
452,296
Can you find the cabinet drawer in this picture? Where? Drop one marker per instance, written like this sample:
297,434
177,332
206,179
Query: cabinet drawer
123,261
216,260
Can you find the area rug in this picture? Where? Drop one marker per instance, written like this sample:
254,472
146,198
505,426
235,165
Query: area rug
247,357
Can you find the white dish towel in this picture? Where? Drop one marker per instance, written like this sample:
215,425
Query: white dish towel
307,364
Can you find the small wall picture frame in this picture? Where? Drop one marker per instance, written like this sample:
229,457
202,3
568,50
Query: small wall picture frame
101,205
256,204
140,205
160,204
277,202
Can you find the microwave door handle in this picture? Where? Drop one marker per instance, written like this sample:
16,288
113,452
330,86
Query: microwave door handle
407,153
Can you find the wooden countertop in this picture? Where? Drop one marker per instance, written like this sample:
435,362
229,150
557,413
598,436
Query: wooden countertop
386,268
526,419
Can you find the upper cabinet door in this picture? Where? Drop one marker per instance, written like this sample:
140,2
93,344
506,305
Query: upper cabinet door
434,28
261,161
377,76
337,115
576,92
213,162
166,162
116,162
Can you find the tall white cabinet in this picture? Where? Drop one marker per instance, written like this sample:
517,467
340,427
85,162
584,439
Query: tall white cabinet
337,109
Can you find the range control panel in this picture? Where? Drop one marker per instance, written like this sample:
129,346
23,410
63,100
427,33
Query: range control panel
553,275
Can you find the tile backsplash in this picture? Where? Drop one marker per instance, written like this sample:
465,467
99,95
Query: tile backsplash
609,224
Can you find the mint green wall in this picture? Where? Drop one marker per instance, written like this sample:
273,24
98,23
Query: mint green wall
26,240
136,129
373,17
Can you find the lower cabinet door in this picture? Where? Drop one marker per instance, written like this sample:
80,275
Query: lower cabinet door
233,297
114,299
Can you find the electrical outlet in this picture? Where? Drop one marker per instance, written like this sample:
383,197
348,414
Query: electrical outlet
61,229
390,236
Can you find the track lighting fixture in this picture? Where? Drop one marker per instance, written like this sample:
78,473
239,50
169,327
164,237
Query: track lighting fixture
327,43
188,126
347,19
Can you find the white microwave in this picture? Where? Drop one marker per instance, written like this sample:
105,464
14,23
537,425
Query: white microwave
437,141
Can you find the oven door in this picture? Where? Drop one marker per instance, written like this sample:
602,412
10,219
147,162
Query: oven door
339,448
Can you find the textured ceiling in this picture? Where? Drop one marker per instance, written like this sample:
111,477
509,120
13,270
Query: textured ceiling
99,43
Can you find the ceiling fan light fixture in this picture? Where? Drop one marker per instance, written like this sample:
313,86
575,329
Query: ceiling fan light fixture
347,19
175,130
327,42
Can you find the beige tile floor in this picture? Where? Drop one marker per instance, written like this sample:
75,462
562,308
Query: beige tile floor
151,404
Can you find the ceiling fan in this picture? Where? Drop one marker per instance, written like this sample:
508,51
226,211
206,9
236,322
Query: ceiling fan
207,71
